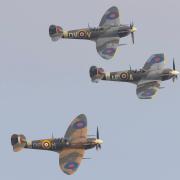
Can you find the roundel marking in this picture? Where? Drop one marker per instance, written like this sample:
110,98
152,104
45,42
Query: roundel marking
149,92
124,75
46,144
71,165
112,15
80,124
58,29
109,51
82,33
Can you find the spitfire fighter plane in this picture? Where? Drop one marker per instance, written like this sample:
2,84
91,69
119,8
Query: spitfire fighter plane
147,79
106,35
71,148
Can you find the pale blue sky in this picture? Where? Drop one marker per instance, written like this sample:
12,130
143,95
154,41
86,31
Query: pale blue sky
44,85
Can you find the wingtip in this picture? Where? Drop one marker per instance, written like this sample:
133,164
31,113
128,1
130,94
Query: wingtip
82,116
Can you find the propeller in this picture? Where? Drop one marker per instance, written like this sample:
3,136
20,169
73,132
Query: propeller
98,145
174,66
174,69
133,29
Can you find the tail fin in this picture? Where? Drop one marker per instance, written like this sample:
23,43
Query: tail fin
18,142
55,32
96,73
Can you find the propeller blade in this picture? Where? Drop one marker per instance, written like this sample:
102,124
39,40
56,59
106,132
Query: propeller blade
173,79
132,31
97,135
174,66
98,146
174,69
132,36
98,141
131,25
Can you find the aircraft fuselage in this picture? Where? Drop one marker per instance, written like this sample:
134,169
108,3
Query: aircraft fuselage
59,144
134,76
92,33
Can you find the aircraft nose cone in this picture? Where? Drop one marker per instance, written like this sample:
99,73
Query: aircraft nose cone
133,29
175,72
99,141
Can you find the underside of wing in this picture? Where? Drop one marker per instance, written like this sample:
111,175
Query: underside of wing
147,90
77,131
110,18
70,159
155,62
106,47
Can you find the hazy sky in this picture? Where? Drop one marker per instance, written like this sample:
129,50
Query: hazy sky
44,85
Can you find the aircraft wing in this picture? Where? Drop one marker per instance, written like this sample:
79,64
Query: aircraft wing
106,47
147,90
155,62
77,131
70,159
110,18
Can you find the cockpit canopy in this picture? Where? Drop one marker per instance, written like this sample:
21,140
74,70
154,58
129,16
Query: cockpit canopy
138,71
63,141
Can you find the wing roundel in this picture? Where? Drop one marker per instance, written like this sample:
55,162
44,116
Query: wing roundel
155,62
70,160
110,18
106,47
77,130
147,90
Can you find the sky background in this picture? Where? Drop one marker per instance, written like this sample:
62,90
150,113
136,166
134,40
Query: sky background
44,85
